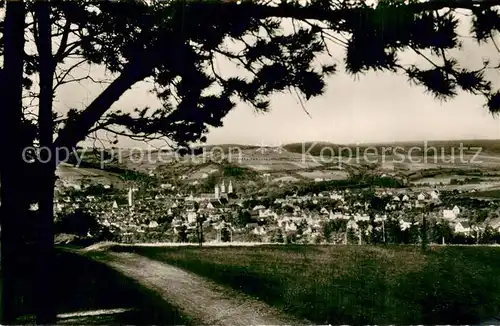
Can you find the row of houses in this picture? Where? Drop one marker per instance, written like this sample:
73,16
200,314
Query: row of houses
220,207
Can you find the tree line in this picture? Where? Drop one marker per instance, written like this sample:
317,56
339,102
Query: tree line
388,232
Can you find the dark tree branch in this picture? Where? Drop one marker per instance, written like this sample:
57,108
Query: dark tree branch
60,80
76,130
290,10
58,57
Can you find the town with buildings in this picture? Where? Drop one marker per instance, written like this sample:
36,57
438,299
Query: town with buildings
163,213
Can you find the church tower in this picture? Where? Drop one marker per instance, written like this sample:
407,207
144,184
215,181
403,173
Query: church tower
230,187
217,193
130,197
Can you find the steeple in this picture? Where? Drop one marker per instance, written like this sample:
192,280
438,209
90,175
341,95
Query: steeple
130,197
217,193
223,187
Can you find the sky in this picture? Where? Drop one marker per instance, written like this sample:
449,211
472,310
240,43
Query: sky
376,107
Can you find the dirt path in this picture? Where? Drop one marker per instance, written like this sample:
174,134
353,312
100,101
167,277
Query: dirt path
196,297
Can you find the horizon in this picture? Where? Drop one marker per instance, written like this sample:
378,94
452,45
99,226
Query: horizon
317,142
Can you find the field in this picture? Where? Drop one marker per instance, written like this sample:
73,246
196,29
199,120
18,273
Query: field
489,146
490,194
333,175
354,284
288,178
440,179
297,161
71,175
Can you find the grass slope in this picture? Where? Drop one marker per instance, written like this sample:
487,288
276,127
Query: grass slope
355,284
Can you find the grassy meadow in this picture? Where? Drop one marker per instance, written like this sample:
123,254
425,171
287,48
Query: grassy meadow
354,284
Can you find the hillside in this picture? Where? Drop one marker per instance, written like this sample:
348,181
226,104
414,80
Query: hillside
70,175
354,284
290,163
313,148
488,146
227,148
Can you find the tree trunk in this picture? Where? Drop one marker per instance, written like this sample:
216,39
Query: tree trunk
383,231
12,210
45,286
200,232
45,290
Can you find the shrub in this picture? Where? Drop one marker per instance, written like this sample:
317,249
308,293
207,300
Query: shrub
225,235
277,236
79,223
291,237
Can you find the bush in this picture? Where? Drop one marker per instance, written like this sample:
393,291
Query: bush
277,236
291,237
225,235
192,237
78,223
182,235
318,238
251,237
